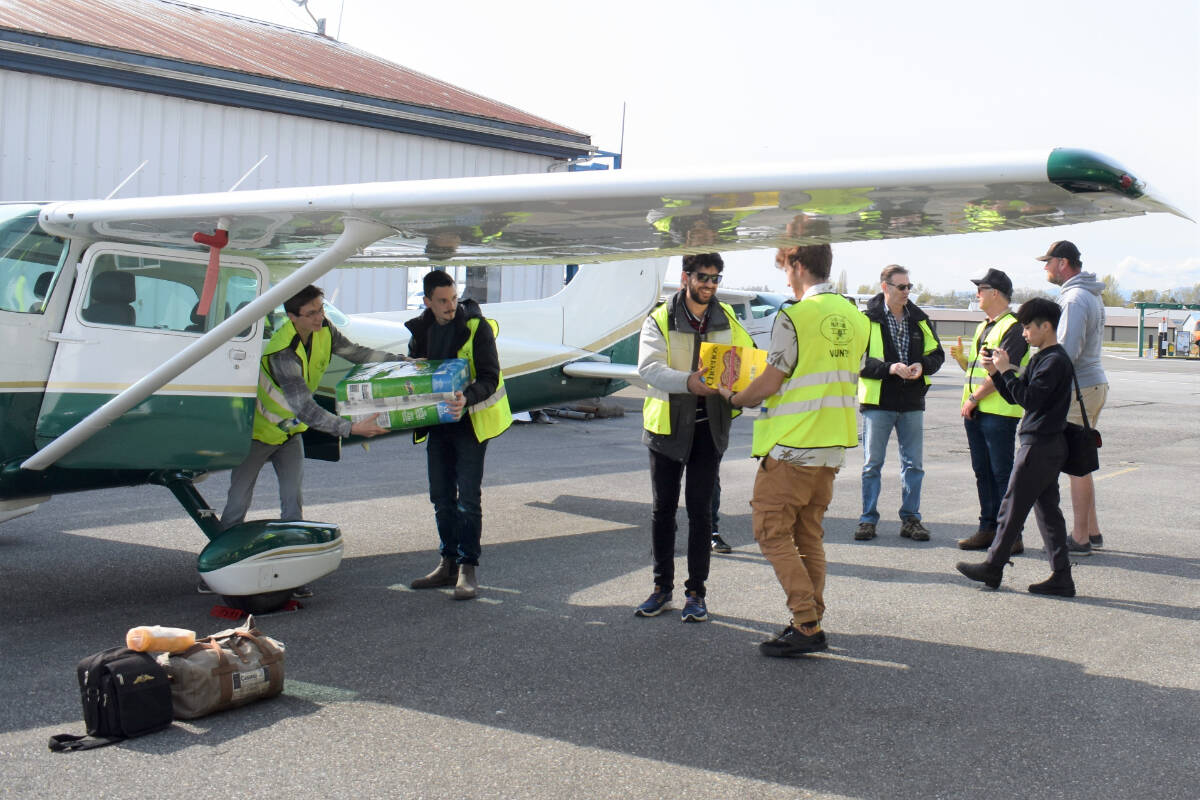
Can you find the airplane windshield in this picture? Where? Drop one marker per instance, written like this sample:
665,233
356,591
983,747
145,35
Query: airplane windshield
30,260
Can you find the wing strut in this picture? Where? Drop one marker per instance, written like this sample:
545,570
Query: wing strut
356,235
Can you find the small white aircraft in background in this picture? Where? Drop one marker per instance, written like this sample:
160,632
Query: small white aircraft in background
131,351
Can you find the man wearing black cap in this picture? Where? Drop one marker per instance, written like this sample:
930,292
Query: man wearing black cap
989,419
1080,332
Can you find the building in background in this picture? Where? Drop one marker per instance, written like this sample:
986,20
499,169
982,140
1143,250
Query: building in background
91,89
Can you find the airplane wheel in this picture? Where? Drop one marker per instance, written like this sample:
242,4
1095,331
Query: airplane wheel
258,603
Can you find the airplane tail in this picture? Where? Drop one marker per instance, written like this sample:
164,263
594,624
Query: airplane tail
603,304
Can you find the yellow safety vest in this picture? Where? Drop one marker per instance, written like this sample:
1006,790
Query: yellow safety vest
868,388
656,409
815,406
976,374
491,416
274,421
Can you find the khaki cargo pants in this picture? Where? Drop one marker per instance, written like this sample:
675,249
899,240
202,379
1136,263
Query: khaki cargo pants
788,509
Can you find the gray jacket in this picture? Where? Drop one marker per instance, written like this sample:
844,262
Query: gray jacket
1081,327
668,372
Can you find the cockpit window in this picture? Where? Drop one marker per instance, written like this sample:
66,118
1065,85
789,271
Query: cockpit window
151,291
30,260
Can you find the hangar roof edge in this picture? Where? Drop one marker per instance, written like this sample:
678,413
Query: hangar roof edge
240,61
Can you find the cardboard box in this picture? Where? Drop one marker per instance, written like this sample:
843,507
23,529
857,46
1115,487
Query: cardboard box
729,366
401,393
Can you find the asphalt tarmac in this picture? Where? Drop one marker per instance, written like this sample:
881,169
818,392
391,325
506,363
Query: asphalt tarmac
547,686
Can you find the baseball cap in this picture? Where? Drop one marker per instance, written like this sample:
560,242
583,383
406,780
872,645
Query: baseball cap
1061,249
996,280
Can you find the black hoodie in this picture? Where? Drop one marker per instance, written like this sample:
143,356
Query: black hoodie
487,360
895,393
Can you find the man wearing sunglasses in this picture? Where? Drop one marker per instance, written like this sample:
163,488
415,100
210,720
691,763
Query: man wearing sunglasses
686,425
903,351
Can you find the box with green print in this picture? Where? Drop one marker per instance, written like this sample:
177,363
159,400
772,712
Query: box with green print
403,394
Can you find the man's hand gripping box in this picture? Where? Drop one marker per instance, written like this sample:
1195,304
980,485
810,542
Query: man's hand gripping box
729,366
402,394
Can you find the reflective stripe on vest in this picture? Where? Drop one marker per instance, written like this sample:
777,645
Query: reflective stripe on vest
491,416
868,388
274,420
815,405
977,375
656,409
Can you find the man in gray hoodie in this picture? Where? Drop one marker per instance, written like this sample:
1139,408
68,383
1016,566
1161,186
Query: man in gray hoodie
1080,332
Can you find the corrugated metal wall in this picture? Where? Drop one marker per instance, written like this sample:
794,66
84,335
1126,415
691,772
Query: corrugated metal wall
64,140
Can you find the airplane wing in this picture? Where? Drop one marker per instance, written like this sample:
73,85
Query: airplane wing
594,216
587,217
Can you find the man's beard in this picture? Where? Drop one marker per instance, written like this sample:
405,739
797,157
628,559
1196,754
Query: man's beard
695,298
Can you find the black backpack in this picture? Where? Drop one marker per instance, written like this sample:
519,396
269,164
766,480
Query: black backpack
125,694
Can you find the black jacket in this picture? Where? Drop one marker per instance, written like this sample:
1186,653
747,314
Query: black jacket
1045,390
487,360
895,393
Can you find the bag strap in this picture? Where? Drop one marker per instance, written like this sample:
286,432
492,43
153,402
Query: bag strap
66,743
1079,397
268,653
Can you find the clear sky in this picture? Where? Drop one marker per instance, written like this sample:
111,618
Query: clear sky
799,80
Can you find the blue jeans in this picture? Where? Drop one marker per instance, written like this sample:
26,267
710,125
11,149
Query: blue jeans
992,439
455,459
910,436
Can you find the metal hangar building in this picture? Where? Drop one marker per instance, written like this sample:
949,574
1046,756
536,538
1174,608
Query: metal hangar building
91,89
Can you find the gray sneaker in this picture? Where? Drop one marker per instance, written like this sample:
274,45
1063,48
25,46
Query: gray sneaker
1096,541
864,532
912,528
1074,548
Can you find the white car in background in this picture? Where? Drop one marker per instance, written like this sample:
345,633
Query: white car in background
755,310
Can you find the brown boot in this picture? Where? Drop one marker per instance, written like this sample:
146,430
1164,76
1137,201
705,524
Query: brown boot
1018,547
467,586
445,575
979,540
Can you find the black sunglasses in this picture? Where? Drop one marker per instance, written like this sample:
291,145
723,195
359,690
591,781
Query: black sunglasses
706,277
904,287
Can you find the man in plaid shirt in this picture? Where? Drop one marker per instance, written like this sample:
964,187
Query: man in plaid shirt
902,353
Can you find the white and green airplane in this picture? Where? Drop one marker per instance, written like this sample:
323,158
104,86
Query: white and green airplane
132,345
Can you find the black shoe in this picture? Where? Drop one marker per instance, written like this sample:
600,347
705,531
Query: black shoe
985,573
302,592
1097,541
791,642
719,545
1059,584
1018,547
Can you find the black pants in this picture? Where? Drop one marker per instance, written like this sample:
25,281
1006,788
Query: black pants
665,476
1034,485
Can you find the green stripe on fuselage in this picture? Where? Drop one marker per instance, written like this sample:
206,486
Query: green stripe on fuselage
162,432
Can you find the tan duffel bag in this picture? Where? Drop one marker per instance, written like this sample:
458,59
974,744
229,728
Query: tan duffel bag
225,670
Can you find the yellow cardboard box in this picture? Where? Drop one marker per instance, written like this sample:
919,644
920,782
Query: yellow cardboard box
730,366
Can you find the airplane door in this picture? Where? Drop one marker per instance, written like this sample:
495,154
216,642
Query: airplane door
133,308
